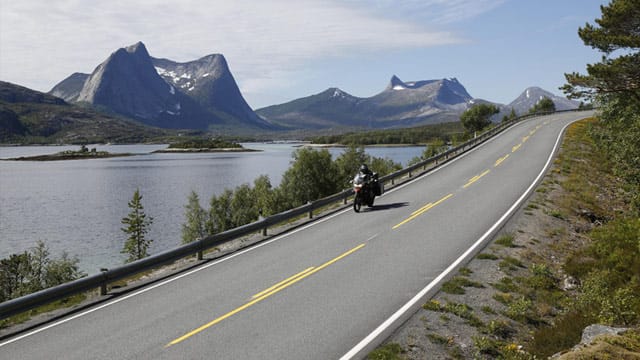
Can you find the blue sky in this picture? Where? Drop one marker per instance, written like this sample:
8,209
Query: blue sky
279,50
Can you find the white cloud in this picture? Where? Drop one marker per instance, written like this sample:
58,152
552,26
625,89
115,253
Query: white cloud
265,42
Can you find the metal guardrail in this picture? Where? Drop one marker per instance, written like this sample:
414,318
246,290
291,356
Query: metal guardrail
28,302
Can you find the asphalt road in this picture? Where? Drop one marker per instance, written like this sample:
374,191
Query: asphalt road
317,292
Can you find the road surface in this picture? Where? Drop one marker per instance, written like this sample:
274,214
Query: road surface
318,291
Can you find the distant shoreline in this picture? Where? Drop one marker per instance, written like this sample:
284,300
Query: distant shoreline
63,156
370,145
203,150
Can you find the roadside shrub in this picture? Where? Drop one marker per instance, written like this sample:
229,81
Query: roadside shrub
510,264
457,285
499,328
505,285
506,240
563,334
519,309
487,256
390,351
542,278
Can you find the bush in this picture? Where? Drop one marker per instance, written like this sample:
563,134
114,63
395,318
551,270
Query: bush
34,270
506,240
390,351
457,284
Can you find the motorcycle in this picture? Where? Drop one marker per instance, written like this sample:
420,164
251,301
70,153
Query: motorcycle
365,187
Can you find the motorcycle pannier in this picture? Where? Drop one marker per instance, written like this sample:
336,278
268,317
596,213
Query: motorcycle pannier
378,188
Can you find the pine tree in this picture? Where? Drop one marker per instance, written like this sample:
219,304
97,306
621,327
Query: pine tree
195,215
136,227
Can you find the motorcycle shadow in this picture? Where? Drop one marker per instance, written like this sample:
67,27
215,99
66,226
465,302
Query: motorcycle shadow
387,206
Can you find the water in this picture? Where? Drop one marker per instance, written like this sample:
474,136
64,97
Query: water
76,206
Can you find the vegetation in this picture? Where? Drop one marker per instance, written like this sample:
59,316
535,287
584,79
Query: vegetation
478,117
313,174
136,227
614,84
543,106
194,228
199,143
445,132
34,270
83,153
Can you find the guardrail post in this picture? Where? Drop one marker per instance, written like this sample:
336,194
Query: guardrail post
310,210
103,286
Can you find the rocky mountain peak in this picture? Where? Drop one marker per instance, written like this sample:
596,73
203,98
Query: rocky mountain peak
137,48
532,95
160,92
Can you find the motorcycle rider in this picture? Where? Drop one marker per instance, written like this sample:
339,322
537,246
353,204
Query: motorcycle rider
364,170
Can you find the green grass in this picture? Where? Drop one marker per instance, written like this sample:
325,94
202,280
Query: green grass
457,285
390,351
60,304
487,256
510,264
506,240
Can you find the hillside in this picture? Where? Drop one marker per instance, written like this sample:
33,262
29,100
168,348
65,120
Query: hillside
28,116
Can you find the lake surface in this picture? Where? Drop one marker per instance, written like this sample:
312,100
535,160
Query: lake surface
76,205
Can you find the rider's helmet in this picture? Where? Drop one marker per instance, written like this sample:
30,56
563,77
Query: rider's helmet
364,169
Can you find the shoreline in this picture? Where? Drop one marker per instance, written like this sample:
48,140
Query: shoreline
202,150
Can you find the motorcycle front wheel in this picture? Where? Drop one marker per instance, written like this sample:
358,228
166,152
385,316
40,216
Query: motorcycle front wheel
357,203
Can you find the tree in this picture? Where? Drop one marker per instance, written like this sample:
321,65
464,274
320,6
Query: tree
478,117
136,227
14,272
312,176
617,29
61,270
348,163
219,216
264,195
614,84
243,206
194,227
544,105
34,270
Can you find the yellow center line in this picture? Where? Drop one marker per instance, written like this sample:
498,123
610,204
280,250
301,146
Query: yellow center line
515,148
282,282
524,139
265,294
499,161
421,211
476,178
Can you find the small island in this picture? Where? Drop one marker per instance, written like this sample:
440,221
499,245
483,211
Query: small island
83,153
204,145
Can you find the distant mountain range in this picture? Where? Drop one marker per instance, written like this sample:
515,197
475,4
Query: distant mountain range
200,94
203,95
400,104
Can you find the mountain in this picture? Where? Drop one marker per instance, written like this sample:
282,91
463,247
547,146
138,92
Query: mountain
532,95
401,104
201,94
28,116
210,83
69,88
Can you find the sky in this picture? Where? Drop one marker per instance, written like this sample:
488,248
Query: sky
280,50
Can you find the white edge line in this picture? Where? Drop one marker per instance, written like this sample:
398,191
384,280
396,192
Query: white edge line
241,252
393,318
205,266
